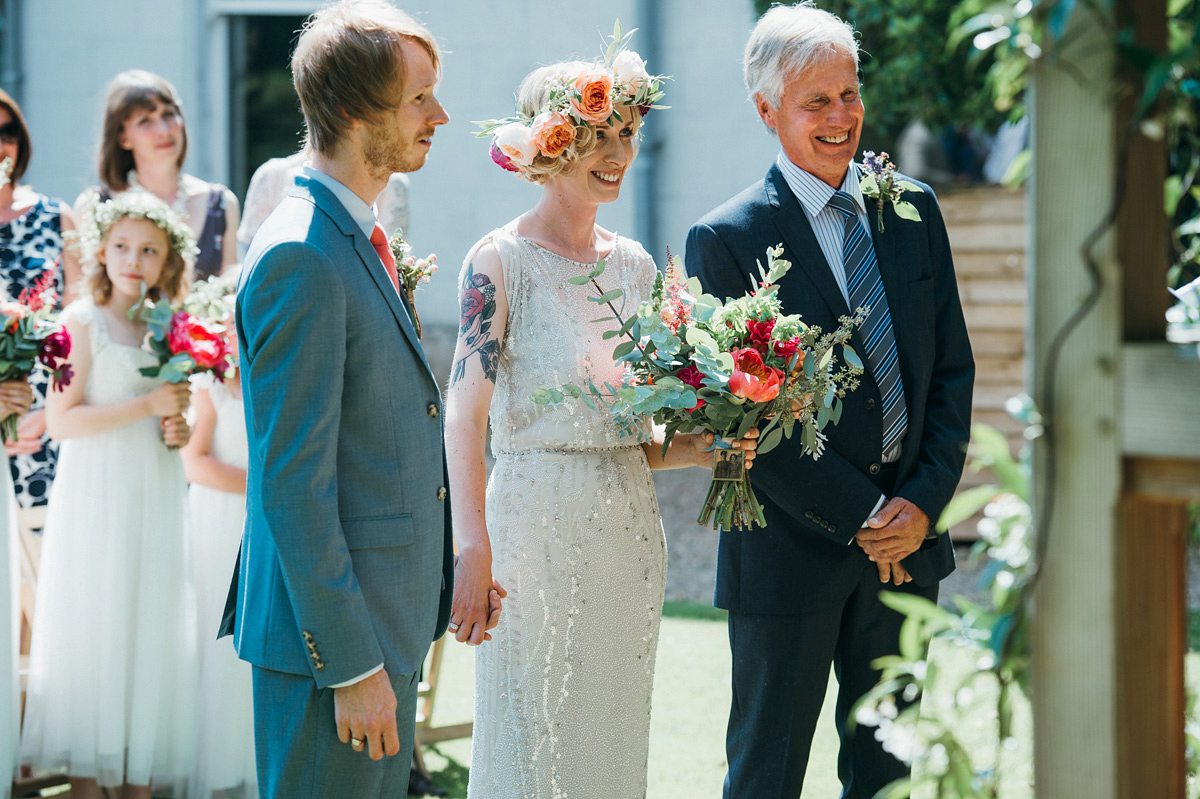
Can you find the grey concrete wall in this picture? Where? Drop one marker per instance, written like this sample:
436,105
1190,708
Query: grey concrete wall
712,143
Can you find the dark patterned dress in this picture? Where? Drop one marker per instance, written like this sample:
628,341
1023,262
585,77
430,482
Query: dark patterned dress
29,245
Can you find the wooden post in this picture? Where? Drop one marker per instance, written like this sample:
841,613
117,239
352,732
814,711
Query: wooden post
1074,640
1151,588
1142,224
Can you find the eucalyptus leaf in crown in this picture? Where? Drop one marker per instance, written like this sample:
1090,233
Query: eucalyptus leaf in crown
590,98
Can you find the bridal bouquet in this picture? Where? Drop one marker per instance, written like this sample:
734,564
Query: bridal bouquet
693,363
32,335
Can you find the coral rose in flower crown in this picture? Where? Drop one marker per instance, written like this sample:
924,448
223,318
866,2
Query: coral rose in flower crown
693,362
570,98
552,133
32,336
592,97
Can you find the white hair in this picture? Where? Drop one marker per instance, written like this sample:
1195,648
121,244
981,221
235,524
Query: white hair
789,40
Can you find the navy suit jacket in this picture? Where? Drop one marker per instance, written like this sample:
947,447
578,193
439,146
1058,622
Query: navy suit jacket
346,557
813,507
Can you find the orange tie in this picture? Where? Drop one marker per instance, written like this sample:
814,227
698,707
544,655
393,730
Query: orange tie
379,241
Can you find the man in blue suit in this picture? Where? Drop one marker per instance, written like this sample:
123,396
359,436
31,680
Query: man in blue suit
346,569
803,593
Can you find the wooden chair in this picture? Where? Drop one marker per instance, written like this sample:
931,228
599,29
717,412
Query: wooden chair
426,695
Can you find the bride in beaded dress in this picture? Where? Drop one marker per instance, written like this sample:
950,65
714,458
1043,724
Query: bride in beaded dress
568,522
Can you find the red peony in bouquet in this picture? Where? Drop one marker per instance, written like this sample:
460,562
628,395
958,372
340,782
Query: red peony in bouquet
31,336
696,363
184,343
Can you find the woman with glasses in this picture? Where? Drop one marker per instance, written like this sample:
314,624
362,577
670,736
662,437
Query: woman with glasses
31,247
143,145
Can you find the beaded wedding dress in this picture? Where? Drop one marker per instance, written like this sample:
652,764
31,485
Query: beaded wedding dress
562,692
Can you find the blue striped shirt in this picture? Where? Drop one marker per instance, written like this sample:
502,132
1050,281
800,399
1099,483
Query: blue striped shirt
828,225
813,194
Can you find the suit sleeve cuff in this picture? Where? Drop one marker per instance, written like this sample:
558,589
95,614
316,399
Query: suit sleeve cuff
878,505
359,678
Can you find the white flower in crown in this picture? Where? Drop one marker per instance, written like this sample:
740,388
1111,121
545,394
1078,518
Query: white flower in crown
630,69
515,140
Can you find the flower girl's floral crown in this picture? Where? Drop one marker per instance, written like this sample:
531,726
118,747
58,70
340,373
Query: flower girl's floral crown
99,217
586,100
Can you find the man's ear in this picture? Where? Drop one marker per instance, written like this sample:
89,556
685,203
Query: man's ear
765,111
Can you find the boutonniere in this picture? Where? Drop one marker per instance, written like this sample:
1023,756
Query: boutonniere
879,182
411,270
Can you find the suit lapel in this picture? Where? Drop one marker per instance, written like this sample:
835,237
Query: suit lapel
808,261
369,260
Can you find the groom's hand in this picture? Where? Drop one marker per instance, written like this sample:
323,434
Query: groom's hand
366,711
895,532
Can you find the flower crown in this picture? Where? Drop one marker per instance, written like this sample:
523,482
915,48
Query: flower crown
99,217
591,98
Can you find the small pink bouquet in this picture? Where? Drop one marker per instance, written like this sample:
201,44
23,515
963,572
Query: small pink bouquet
693,362
411,271
32,336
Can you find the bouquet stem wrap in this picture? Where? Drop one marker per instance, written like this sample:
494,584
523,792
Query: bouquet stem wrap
730,503
8,428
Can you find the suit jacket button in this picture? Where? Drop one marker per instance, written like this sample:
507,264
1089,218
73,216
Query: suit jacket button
873,468
869,404
441,493
432,410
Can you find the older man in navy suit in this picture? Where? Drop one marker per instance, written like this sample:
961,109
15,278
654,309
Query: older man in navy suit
804,593
346,569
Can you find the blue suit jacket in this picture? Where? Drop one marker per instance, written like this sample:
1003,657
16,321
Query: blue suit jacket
814,507
346,557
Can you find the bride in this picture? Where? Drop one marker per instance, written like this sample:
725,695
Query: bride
568,523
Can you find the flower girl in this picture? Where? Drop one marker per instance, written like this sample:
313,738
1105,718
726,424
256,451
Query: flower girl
215,461
111,662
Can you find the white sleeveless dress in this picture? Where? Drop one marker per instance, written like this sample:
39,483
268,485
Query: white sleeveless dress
111,675
225,712
562,692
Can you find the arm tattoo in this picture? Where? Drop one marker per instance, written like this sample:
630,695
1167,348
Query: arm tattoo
475,325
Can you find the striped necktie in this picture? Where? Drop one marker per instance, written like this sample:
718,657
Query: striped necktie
865,287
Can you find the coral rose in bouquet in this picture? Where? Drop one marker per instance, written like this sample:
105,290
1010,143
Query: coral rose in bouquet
693,362
32,337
